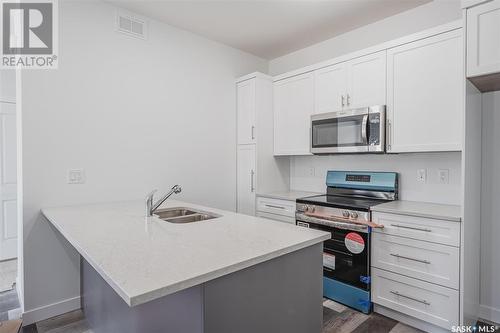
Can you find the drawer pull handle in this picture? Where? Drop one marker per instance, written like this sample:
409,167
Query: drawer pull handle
412,228
423,301
273,206
408,258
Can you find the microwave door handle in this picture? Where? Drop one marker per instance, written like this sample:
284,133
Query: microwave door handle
364,128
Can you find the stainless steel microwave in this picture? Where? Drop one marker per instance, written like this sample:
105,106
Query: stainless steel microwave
351,131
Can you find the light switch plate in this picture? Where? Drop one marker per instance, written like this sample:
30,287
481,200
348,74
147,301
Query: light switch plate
422,175
444,176
76,176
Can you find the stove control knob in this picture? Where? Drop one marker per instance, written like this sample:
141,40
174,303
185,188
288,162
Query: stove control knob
345,213
354,215
311,209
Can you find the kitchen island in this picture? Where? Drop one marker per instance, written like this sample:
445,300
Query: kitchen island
233,273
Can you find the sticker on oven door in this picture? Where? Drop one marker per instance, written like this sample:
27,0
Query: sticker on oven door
328,260
354,242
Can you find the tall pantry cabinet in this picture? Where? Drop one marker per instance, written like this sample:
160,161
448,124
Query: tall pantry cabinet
257,170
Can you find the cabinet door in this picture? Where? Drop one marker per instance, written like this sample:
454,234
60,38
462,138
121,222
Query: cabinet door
246,111
293,106
246,179
8,85
483,41
367,83
330,85
425,94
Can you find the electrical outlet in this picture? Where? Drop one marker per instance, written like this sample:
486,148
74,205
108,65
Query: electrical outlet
422,175
76,176
311,171
444,176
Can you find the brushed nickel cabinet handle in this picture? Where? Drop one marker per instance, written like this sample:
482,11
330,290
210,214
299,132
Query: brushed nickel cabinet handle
273,206
389,135
252,186
409,258
423,301
348,99
411,228
253,130
342,100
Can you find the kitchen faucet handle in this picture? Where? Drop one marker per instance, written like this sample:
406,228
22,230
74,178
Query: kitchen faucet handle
151,194
177,189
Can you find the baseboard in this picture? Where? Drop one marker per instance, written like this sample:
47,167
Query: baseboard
51,310
410,321
489,313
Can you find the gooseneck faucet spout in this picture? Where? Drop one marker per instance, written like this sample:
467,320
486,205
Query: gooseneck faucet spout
151,206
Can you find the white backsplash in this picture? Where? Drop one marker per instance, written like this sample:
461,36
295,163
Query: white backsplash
308,173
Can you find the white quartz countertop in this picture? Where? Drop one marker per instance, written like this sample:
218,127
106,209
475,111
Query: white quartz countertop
287,195
421,209
145,259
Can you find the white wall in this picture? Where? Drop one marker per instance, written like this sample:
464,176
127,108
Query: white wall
414,20
136,115
490,209
405,164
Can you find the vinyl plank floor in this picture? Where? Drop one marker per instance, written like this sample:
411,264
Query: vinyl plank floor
8,274
71,322
337,318
8,301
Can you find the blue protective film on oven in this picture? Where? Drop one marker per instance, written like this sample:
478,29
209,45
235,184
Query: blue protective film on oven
348,295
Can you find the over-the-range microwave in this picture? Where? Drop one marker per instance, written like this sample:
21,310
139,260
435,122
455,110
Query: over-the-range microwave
350,131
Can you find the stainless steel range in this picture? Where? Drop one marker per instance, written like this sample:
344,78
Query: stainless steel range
345,212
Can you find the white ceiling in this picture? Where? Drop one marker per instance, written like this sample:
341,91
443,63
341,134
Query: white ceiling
271,28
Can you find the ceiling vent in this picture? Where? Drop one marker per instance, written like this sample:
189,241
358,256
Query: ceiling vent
131,25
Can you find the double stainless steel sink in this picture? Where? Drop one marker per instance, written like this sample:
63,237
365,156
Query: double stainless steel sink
184,215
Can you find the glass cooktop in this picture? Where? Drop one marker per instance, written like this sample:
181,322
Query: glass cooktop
342,201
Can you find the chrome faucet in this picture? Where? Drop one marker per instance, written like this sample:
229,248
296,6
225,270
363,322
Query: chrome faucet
152,207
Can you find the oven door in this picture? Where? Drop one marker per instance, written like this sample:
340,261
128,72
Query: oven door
340,132
346,255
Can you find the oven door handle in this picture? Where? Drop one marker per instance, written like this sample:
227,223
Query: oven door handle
364,129
331,218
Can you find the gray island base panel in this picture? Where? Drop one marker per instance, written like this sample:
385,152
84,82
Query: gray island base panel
283,294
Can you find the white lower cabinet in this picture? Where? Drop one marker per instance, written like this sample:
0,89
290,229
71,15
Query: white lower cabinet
275,217
276,209
420,228
415,268
425,301
433,263
246,179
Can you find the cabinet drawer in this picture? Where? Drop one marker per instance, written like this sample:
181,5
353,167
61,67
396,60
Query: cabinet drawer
281,218
430,262
276,206
429,230
428,302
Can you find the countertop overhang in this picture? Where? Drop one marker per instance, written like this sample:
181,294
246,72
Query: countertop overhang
143,259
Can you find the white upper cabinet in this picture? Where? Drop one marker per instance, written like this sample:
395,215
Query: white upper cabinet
293,107
425,84
367,82
351,84
246,111
483,39
330,88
